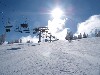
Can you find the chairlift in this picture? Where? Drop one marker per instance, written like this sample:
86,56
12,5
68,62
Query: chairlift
43,27
7,30
26,29
24,25
27,32
43,30
46,40
8,26
36,29
49,33
43,34
46,31
34,32
53,36
18,30
40,31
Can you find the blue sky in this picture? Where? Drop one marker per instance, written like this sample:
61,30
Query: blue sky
36,12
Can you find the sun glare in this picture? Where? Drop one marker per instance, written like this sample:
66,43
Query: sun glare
57,13
57,24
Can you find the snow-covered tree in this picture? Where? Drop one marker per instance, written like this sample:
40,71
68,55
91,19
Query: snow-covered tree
80,36
2,39
84,35
69,36
20,40
98,33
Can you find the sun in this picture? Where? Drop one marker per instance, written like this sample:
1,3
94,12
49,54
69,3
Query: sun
57,13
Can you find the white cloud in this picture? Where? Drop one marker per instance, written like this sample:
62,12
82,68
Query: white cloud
89,25
57,28
32,39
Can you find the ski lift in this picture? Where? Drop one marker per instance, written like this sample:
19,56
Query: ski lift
8,26
43,30
53,36
34,32
40,31
26,29
7,30
46,31
18,30
24,25
36,29
46,40
27,32
49,33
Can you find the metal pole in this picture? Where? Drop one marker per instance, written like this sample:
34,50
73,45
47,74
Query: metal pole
39,37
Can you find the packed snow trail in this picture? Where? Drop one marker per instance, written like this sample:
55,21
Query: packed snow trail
80,57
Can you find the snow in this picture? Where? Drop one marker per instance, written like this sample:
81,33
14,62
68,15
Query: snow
80,57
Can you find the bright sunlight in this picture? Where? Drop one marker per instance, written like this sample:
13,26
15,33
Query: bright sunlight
57,13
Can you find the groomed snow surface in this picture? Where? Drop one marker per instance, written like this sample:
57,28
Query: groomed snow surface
80,57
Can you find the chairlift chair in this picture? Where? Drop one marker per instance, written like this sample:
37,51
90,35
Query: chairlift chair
43,30
8,26
26,29
24,25
7,30
27,32
34,32
49,33
36,29
18,30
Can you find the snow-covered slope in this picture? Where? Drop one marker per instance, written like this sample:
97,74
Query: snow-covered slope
80,57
